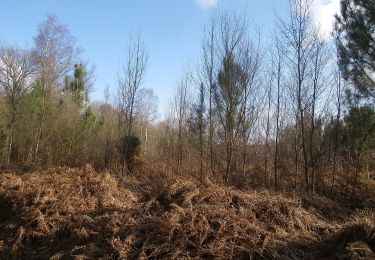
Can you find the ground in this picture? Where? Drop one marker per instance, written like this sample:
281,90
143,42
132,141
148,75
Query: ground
64,213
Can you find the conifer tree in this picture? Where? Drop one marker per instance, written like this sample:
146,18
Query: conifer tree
355,29
228,97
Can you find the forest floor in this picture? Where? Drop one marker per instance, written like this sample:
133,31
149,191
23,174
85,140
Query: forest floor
65,213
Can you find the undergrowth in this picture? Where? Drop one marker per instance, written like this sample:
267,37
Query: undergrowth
64,213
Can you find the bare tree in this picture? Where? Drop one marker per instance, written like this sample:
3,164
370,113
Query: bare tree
108,132
251,62
319,79
339,84
55,53
181,110
201,127
209,60
227,49
268,130
130,79
17,70
277,65
148,105
296,32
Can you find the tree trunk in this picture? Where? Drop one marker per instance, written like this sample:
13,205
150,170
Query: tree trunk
357,168
9,148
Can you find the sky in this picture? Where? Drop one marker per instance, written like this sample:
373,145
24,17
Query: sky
172,30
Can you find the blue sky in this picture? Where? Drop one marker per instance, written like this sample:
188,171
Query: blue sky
172,30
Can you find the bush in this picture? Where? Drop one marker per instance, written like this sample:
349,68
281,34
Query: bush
131,147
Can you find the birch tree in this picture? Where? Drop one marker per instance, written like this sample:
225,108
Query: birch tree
17,71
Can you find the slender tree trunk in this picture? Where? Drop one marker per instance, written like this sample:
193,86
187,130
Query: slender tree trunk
296,157
357,168
179,159
201,107
337,133
229,161
333,175
201,150
211,130
268,127
347,179
304,150
13,119
276,158
312,154
9,148
211,82
146,137
367,168
244,156
279,75
40,132
244,139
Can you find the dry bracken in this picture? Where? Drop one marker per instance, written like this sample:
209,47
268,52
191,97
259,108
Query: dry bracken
81,214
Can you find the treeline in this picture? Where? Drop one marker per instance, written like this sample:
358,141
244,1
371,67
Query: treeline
296,112
44,114
46,117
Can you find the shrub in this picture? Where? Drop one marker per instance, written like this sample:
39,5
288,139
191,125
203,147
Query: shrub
131,147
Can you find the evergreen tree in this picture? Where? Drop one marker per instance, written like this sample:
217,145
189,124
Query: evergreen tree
355,29
228,99
359,129
77,85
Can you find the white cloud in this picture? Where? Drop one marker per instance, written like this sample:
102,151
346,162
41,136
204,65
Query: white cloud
205,4
324,11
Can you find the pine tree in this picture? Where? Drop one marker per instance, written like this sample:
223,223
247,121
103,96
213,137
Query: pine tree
359,129
228,98
355,29
77,85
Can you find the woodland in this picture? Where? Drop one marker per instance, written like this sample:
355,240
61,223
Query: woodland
266,152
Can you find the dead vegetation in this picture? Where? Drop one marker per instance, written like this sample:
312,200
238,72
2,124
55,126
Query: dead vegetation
65,213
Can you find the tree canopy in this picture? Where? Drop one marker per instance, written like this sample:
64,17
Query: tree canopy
355,34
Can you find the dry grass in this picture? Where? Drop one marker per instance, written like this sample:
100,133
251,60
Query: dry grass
79,213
